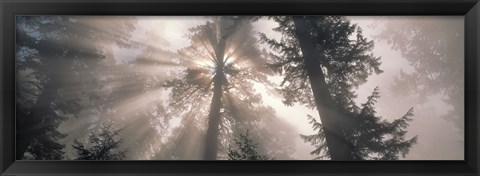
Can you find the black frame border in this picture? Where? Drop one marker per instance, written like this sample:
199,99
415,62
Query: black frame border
470,9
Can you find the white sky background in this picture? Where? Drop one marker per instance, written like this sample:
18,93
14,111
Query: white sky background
437,138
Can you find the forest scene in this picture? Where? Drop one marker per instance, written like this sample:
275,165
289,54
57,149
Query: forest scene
239,88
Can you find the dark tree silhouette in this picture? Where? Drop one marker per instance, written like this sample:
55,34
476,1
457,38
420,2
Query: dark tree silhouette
323,58
102,146
434,47
52,54
245,149
44,149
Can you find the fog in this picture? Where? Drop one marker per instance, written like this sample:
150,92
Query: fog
150,129
439,139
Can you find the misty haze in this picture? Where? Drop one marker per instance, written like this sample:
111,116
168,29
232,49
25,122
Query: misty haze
239,88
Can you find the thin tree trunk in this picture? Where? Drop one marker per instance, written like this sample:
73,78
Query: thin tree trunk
338,147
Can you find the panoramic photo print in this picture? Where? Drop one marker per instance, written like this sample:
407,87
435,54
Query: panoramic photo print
239,88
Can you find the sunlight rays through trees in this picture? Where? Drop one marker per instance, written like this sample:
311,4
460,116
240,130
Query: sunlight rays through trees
205,88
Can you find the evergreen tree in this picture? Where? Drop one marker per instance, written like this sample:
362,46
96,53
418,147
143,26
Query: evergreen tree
223,58
102,146
372,137
323,58
245,149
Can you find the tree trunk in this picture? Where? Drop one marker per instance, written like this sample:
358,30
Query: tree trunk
211,146
339,148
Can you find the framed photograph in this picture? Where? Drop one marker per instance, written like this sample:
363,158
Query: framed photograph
250,87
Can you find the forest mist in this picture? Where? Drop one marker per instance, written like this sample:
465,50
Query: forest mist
239,88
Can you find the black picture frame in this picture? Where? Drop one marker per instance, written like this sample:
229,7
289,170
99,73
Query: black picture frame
470,9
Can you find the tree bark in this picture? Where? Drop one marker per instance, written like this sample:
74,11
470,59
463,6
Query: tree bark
339,148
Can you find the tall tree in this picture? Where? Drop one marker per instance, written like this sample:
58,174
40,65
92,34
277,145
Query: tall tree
323,59
224,29
52,55
223,56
